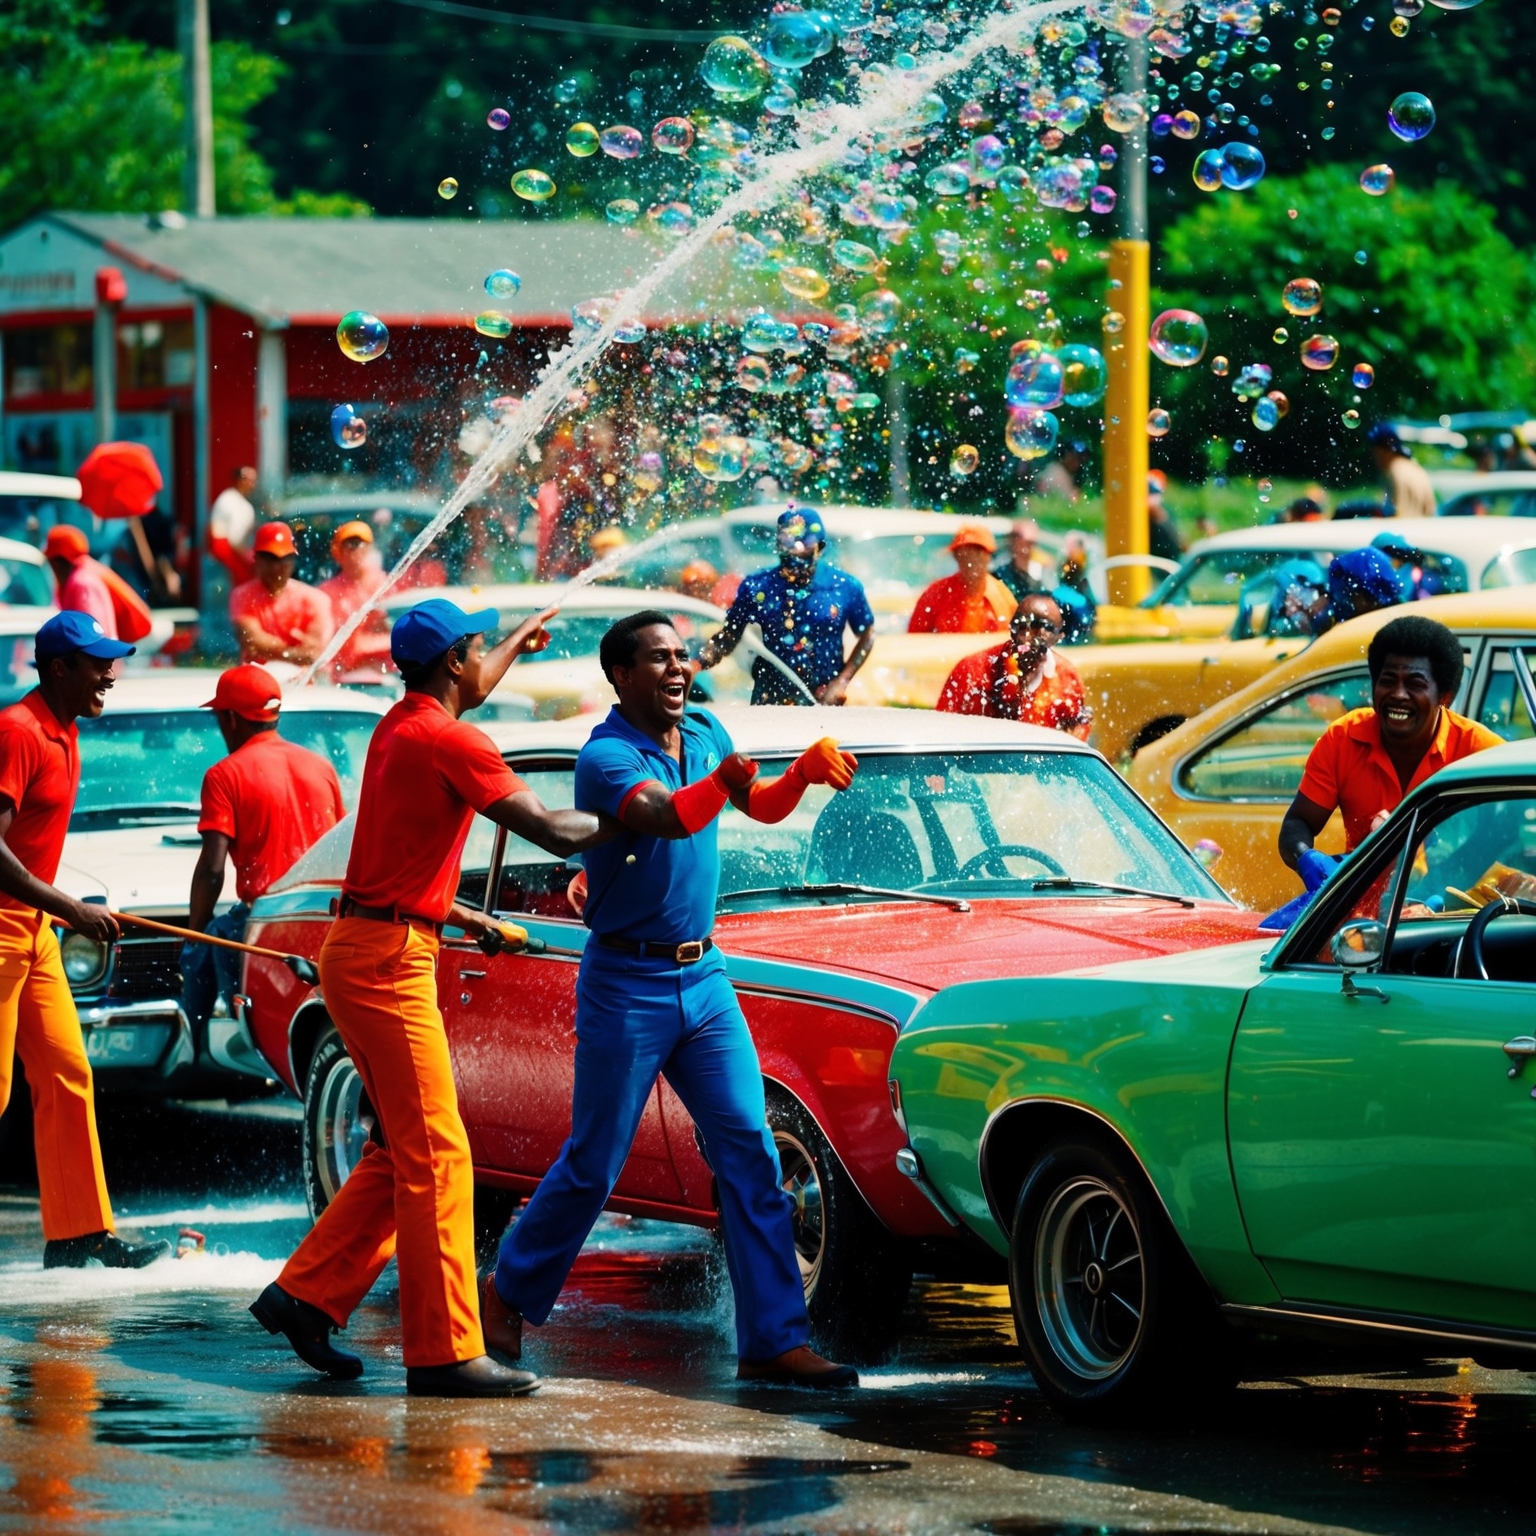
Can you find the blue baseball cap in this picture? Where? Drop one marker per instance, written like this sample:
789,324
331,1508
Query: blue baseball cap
1362,570
68,632
799,528
424,632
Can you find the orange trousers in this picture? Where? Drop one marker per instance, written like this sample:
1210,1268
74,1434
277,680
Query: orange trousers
38,1022
416,1192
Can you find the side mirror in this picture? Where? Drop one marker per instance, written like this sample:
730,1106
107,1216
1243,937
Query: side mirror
1360,945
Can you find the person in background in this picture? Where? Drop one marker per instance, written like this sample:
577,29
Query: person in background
606,542
145,557
1015,572
973,600
1058,478
1162,533
1417,581
263,806
1361,581
802,607
82,587
698,579
1303,510
231,522
277,618
1288,601
1409,491
1023,678
1078,616
360,575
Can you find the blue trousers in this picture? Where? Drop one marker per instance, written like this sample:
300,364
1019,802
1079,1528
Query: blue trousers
637,1018
208,973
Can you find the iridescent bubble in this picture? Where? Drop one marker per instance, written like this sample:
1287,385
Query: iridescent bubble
568,89
734,70
1363,376
721,459
533,186
948,180
1411,116
1178,337
1281,402
622,210
753,374
581,140
1123,112
1319,353
498,118
362,336
448,188
1377,180
1031,433
628,332
1159,422
1303,296
946,242
1252,381
1102,200
503,283
963,461
621,141
1242,166
1220,366
879,310
1351,418
1084,374
492,322
1266,415
795,38
672,218
803,282
1281,336
1113,322
1186,124
1207,171
1399,26
1012,182
1035,379
855,256
348,429
1455,5
988,154
672,136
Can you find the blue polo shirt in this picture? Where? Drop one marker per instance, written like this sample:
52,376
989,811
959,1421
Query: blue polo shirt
802,626
667,895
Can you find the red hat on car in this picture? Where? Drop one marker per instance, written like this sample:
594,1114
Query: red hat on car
275,539
66,542
250,692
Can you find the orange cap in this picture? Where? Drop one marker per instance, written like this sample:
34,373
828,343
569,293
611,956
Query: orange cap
249,691
977,534
66,542
353,530
275,539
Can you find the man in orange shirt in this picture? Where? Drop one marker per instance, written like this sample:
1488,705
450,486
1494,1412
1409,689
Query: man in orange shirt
428,773
277,618
1367,760
1024,678
361,574
973,600
264,805
39,779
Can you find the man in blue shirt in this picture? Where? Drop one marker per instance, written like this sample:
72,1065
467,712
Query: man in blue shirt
802,607
652,997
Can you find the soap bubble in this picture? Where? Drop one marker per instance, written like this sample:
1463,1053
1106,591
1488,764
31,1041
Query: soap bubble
533,186
581,140
568,89
1159,422
1031,433
621,141
963,461
503,284
855,256
1012,182
1186,124
1103,199
796,38
1363,376
1411,116
1399,26
1207,170
733,69
1281,401
1083,374
1036,378
803,282
988,154
879,311
948,180
348,429
362,336
492,322
1319,353
1266,415
1281,336
1252,381
672,218
1178,337
498,118
721,458
1455,5
672,136
628,332
1123,112
1408,8
946,242
1303,296
623,210
1220,366
448,188
1242,166
1377,180
1113,322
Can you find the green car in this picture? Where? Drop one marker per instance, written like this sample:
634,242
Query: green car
1333,1134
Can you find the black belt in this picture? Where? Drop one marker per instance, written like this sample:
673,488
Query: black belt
346,907
680,954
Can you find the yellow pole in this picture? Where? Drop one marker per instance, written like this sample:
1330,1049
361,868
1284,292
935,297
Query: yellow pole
1127,400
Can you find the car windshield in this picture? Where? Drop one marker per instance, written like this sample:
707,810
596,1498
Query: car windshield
142,767
23,583
966,824
1219,576
1513,568
878,560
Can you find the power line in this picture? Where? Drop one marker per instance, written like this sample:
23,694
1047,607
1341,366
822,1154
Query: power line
562,24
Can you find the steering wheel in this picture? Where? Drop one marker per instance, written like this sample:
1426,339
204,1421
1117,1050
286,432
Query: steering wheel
991,859
1471,947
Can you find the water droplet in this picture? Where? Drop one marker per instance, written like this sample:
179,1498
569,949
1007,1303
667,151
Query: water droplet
1319,353
1351,419
1302,296
1363,376
492,322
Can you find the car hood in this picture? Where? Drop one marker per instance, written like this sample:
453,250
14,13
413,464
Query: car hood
929,947
134,868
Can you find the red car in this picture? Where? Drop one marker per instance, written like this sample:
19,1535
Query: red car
966,849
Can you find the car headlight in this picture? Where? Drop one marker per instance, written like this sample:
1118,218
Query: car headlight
85,961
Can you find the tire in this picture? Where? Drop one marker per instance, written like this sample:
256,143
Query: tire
337,1120
1110,1311
856,1274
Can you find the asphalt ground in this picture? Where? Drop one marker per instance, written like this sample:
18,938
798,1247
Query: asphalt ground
153,1402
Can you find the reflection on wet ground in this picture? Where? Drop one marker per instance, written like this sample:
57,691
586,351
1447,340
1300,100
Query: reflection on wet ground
152,1401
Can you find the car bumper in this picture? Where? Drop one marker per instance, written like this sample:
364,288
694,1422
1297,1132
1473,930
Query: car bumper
151,1039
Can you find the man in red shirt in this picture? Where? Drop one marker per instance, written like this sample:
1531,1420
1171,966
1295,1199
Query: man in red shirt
361,574
973,600
277,618
81,587
39,778
428,773
264,805
1024,678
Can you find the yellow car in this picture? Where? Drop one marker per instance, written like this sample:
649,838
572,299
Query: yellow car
1228,774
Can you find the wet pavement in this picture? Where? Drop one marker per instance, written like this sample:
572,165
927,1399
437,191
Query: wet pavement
152,1401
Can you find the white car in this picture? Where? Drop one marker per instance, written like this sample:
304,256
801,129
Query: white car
132,844
1501,493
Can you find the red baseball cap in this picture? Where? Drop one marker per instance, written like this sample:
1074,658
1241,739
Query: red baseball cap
66,542
249,691
275,539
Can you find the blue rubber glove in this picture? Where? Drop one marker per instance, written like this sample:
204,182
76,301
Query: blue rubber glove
1315,868
1281,921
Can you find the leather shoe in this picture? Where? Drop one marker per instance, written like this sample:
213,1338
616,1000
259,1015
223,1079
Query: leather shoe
308,1329
501,1324
104,1248
480,1377
801,1367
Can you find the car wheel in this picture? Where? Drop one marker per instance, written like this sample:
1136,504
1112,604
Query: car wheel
337,1120
856,1273
1109,1309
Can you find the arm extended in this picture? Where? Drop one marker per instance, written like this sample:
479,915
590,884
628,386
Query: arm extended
19,883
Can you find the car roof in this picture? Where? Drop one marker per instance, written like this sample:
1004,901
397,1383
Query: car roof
45,487
359,503
1474,539
1458,482
174,688
19,549
533,596
1515,757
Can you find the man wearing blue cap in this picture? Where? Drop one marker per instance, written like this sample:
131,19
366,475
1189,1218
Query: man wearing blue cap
39,779
428,773
802,607
1359,582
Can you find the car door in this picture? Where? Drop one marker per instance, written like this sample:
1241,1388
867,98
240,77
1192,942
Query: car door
1506,690
1384,1152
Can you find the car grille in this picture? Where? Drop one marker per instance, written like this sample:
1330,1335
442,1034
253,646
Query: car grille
147,968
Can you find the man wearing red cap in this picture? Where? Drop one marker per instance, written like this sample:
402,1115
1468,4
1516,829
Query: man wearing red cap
277,618
973,600
361,574
81,587
264,805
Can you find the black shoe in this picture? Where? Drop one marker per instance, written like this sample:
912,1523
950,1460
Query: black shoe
801,1367
480,1377
308,1329
104,1248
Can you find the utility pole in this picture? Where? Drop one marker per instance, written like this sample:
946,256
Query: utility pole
197,90
1127,399
111,291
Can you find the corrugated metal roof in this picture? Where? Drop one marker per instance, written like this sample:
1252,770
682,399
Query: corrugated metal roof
295,271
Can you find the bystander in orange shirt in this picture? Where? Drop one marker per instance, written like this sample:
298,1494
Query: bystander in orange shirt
361,574
973,600
277,618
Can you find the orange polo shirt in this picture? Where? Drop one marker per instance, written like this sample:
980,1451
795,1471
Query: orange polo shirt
40,777
946,608
1349,769
426,776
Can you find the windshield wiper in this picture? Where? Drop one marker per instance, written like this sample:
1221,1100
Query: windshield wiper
1067,883
954,903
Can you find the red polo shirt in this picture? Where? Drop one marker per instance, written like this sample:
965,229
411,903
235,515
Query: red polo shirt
296,611
1349,769
990,683
946,608
40,777
426,776
273,800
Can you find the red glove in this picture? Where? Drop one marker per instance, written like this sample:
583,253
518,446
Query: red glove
698,804
576,892
822,763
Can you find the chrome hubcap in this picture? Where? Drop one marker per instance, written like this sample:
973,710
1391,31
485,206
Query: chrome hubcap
343,1132
803,1187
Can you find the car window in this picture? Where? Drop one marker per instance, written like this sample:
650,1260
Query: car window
1513,568
475,863
16,674
1219,576
23,583
1505,708
1491,503
663,566
1265,759
531,880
